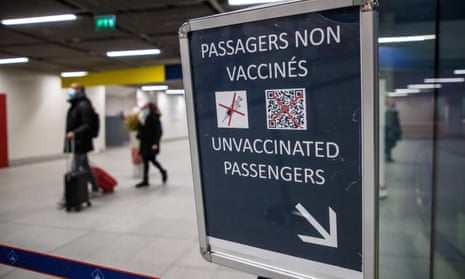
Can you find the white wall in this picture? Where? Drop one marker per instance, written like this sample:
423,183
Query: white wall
36,109
36,112
37,106
173,118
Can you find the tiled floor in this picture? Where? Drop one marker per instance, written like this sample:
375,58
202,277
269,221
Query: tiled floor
149,231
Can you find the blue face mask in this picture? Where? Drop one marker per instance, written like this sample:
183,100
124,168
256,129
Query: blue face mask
71,93
145,111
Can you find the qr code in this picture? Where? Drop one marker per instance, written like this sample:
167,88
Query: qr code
286,109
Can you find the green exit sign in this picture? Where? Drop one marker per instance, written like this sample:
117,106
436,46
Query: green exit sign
105,22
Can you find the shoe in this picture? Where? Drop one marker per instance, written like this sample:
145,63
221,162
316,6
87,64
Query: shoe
142,184
61,203
164,176
95,194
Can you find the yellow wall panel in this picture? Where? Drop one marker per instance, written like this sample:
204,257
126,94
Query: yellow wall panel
141,75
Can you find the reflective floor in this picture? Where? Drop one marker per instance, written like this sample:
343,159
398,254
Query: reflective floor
405,215
150,231
153,230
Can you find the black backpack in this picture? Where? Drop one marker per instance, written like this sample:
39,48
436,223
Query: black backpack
95,124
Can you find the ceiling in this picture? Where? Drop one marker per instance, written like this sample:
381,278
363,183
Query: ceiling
77,46
141,24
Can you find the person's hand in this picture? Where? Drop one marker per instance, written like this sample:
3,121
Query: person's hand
155,147
70,135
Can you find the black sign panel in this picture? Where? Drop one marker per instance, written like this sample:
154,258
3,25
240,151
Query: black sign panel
277,105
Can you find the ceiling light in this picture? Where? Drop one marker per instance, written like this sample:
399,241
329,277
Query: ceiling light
14,60
153,51
394,94
444,80
459,72
73,74
424,86
250,2
407,91
154,87
175,92
40,19
403,39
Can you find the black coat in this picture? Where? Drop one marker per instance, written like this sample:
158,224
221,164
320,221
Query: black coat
78,120
149,134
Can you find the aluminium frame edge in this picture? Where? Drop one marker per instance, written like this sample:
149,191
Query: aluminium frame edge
193,143
370,134
269,11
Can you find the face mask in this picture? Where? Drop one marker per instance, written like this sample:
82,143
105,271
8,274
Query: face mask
71,93
145,112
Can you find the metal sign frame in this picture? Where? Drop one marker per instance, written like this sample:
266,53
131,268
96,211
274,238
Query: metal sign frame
263,262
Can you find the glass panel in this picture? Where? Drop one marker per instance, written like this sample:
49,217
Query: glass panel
449,255
406,164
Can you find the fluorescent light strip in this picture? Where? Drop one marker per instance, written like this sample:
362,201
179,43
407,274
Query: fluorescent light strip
407,91
175,92
250,2
14,60
153,51
40,19
73,74
154,87
444,80
424,86
403,39
459,72
393,94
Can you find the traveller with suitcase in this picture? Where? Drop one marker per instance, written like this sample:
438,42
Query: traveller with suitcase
82,126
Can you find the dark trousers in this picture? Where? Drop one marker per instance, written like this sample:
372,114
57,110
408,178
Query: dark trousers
80,161
147,160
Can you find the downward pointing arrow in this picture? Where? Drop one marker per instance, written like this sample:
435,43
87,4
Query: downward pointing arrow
328,239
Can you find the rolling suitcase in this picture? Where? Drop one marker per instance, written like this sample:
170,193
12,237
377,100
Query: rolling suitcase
76,191
104,180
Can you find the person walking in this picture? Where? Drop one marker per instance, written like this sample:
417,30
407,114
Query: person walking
149,132
79,125
393,131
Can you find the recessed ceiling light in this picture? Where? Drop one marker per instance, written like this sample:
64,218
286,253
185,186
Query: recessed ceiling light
154,87
459,72
394,94
74,74
40,19
175,92
424,86
444,80
14,60
404,39
407,91
136,52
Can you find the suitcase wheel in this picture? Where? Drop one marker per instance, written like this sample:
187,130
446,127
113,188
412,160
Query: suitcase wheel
89,204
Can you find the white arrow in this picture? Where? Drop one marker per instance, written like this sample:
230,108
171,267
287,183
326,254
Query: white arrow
328,239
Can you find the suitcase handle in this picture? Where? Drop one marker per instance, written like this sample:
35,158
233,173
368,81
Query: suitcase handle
69,165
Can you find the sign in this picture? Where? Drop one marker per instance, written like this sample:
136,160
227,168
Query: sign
105,22
275,97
